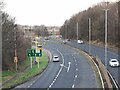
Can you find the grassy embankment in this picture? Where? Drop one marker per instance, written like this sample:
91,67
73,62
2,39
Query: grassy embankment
20,77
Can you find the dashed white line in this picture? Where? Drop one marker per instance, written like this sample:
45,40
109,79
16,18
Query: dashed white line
76,64
76,69
49,87
55,79
28,86
58,72
52,83
73,86
33,81
75,76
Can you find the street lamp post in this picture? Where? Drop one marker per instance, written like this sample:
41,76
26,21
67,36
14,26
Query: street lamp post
65,31
106,24
89,35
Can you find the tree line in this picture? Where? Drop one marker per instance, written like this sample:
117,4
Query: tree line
9,30
97,15
41,30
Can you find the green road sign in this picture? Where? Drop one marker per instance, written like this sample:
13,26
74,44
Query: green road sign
38,54
31,52
34,53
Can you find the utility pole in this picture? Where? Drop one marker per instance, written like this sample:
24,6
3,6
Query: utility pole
65,31
89,35
15,39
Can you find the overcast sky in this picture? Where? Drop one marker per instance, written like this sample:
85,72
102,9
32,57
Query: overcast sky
47,12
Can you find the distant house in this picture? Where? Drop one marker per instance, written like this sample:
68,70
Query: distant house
53,30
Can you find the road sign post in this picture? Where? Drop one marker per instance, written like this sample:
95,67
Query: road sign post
30,54
38,62
34,53
15,61
31,62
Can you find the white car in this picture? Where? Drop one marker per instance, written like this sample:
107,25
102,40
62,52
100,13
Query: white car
114,62
64,41
56,58
80,41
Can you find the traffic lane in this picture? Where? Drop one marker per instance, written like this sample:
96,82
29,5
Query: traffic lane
98,51
84,67
64,83
49,74
66,78
43,80
86,77
94,46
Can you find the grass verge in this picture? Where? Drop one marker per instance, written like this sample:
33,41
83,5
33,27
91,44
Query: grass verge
26,74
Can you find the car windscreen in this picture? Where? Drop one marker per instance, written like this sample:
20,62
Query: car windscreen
113,61
55,57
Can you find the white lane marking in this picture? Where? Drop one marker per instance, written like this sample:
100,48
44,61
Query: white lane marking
63,65
49,87
58,72
75,76
69,63
28,86
55,79
76,64
73,86
52,83
76,69
33,81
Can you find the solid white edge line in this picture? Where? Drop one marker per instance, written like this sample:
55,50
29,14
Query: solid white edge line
113,80
98,70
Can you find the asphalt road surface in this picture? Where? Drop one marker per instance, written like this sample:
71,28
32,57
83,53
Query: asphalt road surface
76,72
100,52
